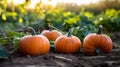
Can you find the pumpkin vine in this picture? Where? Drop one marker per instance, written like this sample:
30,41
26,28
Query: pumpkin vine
34,32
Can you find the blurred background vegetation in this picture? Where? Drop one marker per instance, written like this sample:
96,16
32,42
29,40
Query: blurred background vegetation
84,18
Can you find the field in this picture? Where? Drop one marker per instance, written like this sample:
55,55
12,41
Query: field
53,59
16,21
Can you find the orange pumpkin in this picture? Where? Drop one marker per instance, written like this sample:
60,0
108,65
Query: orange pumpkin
67,43
51,34
93,42
34,45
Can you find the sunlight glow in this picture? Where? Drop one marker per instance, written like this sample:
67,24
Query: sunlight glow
16,1
78,2
54,2
33,2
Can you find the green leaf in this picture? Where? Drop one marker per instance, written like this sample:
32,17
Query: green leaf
4,39
4,17
16,41
14,34
3,53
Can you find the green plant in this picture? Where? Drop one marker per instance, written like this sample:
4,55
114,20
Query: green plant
3,53
9,43
110,19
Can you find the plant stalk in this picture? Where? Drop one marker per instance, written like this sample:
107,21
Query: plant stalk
56,29
50,28
34,32
100,29
69,32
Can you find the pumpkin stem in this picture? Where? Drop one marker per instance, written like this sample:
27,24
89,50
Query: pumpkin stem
50,28
100,29
69,32
34,32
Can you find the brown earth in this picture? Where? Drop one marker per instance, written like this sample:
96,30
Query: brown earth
53,59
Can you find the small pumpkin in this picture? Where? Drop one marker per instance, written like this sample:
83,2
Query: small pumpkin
67,43
51,34
34,45
94,43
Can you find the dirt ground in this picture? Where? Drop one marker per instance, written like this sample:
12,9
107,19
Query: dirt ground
53,59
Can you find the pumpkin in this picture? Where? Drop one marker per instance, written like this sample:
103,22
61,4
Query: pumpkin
34,45
51,34
67,43
94,43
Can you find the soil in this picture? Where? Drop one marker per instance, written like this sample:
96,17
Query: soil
53,59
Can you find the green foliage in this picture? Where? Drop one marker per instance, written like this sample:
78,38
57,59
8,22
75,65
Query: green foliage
85,25
82,32
11,37
40,24
15,37
110,19
54,17
3,53
14,34
9,41
19,15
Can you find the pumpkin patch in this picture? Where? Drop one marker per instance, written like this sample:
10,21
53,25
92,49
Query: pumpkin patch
59,33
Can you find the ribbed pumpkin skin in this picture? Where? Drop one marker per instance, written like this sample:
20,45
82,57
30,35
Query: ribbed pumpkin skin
34,45
68,45
51,35
93,41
